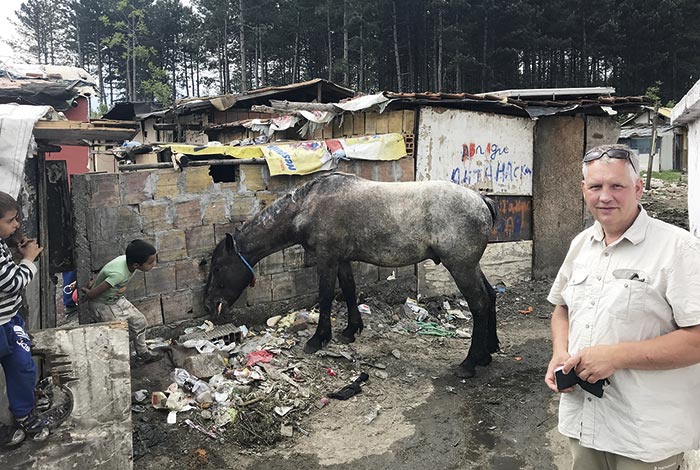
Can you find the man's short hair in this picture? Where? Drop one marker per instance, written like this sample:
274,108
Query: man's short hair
632,163
138,251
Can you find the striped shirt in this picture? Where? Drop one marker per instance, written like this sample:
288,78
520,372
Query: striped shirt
13,279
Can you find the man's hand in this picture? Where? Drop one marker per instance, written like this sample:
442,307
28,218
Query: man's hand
29,248
558,360
593,364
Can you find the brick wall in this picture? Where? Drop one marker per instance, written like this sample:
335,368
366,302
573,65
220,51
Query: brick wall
184,214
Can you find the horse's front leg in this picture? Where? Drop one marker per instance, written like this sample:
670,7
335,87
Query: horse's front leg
347,285
327,272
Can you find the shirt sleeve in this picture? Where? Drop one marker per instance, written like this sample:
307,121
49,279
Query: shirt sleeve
683,284
15,277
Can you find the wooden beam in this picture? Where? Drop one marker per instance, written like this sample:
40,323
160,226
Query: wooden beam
171,126
79,133
154,166
47,293
290,108
300,105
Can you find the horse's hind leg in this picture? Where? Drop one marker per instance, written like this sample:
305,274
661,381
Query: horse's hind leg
492,343
327,272
347,285
481,299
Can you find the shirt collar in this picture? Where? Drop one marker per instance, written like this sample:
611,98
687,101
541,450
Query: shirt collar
635,234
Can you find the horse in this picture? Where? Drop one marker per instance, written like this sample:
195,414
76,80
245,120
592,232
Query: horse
341,218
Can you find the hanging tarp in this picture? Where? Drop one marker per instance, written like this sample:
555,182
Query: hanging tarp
16,124
231,151
363,103
299,158
375,147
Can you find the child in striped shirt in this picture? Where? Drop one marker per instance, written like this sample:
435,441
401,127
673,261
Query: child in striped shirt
15,345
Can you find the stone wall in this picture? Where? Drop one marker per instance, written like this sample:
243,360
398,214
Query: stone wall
185,214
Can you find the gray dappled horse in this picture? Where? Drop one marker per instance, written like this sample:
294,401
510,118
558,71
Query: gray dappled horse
342,218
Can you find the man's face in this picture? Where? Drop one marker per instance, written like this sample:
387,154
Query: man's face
8,223
612,195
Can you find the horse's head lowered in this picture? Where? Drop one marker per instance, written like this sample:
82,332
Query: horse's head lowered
229,275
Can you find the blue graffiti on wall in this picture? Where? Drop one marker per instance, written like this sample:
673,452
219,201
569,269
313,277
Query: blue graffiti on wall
494,168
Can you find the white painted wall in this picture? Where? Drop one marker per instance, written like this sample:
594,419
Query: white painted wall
486,152
663,161
687,111
694,176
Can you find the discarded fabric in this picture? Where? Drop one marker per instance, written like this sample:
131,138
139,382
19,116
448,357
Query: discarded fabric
351,389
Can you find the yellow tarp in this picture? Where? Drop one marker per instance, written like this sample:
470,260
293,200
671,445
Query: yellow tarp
298,158
307,156
251,151
375,147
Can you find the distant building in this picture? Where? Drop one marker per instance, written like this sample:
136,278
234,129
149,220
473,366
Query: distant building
637,130
64,88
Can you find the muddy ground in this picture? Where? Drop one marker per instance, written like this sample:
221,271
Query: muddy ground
413,412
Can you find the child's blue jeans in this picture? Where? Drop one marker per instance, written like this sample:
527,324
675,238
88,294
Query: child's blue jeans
17,362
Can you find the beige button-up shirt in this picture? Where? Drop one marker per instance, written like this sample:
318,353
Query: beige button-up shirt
644,285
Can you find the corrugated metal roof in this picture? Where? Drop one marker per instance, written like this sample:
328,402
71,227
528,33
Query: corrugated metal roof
330,92
588,104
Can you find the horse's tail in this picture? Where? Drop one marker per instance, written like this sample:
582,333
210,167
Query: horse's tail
491,204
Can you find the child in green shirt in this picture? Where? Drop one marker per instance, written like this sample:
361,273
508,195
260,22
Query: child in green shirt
107,300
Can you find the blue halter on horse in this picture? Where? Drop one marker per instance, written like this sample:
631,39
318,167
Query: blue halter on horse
342,218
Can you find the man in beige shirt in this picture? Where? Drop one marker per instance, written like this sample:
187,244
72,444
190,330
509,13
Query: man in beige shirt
627,309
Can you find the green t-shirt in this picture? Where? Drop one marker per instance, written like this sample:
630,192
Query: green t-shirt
117,275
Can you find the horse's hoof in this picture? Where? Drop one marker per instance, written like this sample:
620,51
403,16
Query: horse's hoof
484,361
346,337
314,344
465,372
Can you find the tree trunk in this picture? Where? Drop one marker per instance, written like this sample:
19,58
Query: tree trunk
346,48
330,40
133,60
411,65
396,48
100,75
295,63
197,72
361,76
244,74
438,76
484,51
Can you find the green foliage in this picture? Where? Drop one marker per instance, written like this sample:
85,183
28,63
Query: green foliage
156,87
670,175
636,46
653,92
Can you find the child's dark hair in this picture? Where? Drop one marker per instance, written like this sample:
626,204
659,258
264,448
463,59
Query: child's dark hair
7,203
138,251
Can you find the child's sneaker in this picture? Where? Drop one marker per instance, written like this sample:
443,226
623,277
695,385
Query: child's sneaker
11,436
34,426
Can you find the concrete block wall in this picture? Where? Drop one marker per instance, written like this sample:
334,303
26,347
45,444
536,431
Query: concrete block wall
185,214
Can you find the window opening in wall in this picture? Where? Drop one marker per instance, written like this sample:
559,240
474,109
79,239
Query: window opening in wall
224,173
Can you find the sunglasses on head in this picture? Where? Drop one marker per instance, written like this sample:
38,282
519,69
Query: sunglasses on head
620,154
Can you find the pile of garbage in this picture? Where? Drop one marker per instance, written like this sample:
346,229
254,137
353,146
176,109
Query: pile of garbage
256,387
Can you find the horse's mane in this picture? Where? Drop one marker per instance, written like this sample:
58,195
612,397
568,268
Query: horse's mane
325,182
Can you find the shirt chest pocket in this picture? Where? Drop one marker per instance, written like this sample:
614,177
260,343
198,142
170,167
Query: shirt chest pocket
627,296
575,292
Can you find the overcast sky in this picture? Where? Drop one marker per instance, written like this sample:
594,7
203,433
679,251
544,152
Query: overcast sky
7,31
